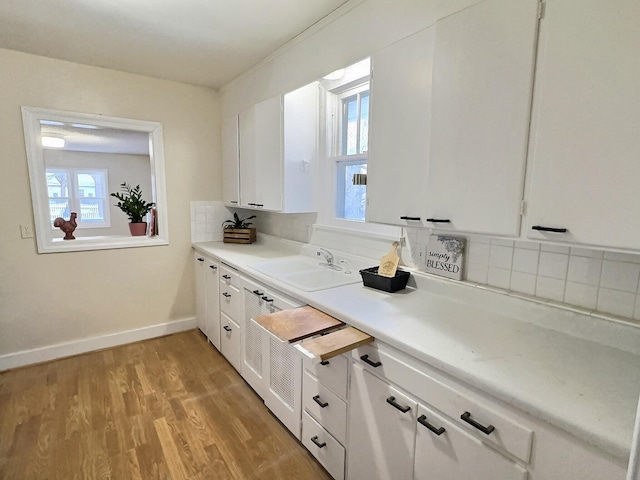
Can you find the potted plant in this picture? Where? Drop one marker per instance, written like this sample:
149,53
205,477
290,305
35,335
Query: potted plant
239,230
135,207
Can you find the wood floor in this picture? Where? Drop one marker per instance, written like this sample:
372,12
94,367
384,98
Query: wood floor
167,408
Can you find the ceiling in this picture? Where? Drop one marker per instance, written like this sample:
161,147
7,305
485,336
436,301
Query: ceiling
201,42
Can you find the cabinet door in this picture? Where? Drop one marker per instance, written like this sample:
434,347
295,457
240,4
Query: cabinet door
230,169
247,156
381,436
230,336
482,83
448,453
201,291
585,168
399,130
212,286
252,345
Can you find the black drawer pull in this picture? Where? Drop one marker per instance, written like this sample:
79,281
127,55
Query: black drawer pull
466,416
438,220
267,299
233,201
252,204
422,420
225,294
200,259
318,444
404,217
227,328
365,359
392,401
213,267
226,277
320,402
259,204
324,363
258,292
549,229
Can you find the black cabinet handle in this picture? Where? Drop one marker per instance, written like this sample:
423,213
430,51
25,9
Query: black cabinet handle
200,259
227,328
365,359
233,201
267,299
438,220
213,267
422,420
258,292
549,229
225,294
252,204
226,277
318,444
404,217
466,416
259,204
392,401
320,402
324,363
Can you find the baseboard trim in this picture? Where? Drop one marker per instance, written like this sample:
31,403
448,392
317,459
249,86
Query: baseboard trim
61,350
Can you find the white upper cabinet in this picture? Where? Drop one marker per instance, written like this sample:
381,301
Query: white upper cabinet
277,148
483,72
586,125
230,180
399,131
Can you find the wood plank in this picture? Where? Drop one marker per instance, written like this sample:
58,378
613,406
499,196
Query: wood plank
333,344
298,323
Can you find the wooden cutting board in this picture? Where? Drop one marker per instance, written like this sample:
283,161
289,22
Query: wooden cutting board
389,263
333,344
298,323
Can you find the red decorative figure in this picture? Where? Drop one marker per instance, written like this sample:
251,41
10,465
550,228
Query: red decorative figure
67,226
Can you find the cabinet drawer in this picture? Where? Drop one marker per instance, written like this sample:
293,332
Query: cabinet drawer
230,301
506,433
323,446
229,276
325,406
230,341
332,373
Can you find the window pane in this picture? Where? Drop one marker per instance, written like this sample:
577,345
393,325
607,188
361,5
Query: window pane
352,199
57,184
350,132
91,210
86,185
58,207
364,123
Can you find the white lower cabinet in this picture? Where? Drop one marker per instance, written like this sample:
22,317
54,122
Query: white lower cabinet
382,429
272,367
327,450
207,300
230,336
445,452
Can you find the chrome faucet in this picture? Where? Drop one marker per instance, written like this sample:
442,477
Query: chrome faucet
328,257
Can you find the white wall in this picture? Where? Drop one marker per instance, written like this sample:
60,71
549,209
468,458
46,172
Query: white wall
57,298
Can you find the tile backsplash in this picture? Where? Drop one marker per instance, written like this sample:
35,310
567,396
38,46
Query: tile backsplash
595,280
206,220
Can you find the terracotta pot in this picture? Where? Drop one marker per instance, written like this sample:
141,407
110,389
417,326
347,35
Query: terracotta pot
138,229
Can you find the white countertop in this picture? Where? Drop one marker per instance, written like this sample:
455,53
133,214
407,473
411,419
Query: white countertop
507,347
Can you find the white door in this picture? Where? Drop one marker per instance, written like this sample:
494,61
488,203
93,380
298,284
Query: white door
268,154
201,299
482,83
212,286
382,429
586,132
445,452
247,157
399,131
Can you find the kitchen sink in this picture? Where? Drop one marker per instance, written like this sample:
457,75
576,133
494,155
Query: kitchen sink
305,273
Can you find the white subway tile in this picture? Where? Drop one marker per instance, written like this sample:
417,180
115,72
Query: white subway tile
620,275
636,313
584,270
581,295
525,261
478,253
500,256
523,283
499,277
479,239
550,288
586,252
501,242
553,265
616,302
622,257
527,245
547,247
477,272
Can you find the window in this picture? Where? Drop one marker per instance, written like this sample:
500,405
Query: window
80,191
351,155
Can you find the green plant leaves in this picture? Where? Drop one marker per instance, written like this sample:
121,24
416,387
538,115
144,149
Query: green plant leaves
132,203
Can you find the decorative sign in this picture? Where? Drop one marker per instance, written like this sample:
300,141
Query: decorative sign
444,256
